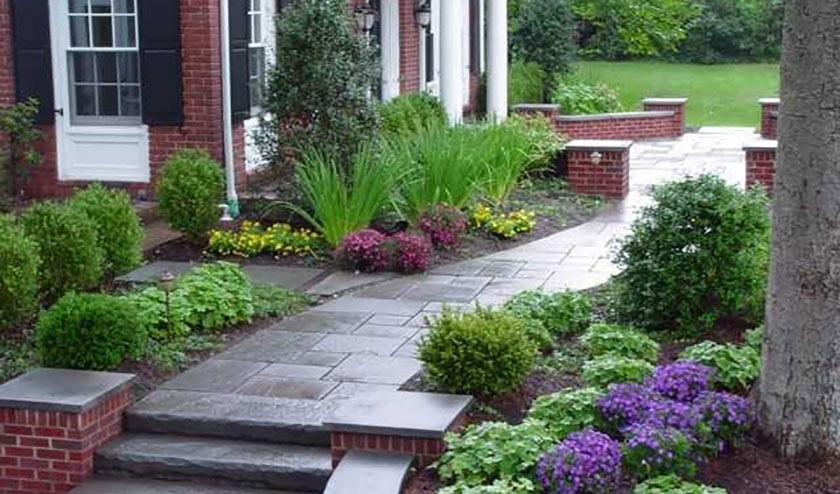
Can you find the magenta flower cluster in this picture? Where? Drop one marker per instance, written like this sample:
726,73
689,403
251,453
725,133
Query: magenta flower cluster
410,252
682,381
444,225
587,462
370,251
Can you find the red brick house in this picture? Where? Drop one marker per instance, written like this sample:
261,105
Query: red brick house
124,83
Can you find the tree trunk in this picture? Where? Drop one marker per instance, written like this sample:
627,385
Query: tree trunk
799,392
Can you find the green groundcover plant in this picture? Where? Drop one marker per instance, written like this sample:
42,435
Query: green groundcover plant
736,367
567,411
19,271
602,339
562,313
612,369
672,484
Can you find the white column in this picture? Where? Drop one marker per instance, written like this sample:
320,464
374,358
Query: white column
451,61
390,23
497,60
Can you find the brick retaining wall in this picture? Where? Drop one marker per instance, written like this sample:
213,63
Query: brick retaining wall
599,168
769,117
761,164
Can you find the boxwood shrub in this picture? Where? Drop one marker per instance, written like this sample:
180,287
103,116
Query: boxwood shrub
190,189
19,265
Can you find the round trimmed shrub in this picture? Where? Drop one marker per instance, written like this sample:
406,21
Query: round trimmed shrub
19,265
117,226
190,189
71,258
411,113
485,352
89,332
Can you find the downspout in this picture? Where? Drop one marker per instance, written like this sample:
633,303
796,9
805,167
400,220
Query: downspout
227,114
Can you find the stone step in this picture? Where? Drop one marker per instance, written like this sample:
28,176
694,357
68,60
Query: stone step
379,473
216,461
156,234
142,486
258,418
147,211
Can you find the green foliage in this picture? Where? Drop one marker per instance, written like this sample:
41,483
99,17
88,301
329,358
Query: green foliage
17,122
16,358
275,301
755,338
583,98
610,339
174,355
545,35
659,451
317,90
612,369
561,313
19,271
537,333
735,367
67,240
518,486
89,332
617,29
505,153
485,352
410,113
494,451
700,252
672,484
163,321
117,226
567,411
190,189
526,82
340,203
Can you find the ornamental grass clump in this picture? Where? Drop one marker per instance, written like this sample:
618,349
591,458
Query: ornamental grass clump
587,462
651,449
681,381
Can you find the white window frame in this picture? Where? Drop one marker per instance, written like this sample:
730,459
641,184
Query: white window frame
257,17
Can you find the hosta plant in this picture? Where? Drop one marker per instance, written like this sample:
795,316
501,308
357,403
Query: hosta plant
612,369
603,339
736,367
567,411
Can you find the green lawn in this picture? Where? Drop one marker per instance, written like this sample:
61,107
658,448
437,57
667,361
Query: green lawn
717,94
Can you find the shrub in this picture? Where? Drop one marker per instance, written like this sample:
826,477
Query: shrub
673,484
755,339
698,253
583,98
603,339
545,35
535,330
681,381
363,251
409,253
729,417
561,313
651,450
485,352
190,189
411,113
611,369
518,486
444,226
19,269
117,226
71,258
162,322
526,82
493,451
735,367
216,296
18,155
567,411
90,332
587,462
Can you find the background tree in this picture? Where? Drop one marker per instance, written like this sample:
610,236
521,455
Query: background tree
799,393
545,35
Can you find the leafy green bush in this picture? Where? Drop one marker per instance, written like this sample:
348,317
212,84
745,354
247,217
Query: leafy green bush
410,113
526,82
535,330
567,411
117,226
19,267
700,252
71,258
561,313
190,189
735,367
604,339
612,369
89,332
755,339
493,451
545,35
485,352
275,301
162,322
18,154
584,98
672,484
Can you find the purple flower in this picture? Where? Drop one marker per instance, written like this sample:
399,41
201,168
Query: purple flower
681,381
729,416
444,226
587,462
628,403
652,449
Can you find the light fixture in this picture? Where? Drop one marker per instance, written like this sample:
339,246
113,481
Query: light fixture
596,157
365,18
424,14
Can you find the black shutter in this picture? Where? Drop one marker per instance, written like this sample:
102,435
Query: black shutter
240,37
430,56
475,36
33,63
160,61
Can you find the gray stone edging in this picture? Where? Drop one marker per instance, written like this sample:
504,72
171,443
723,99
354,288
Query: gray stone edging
764,145
62,390
615,116
598,144
665,101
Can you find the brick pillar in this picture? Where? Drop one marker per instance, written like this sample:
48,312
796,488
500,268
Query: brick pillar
409,48
769,117
761,164
51,423
676,105
599,167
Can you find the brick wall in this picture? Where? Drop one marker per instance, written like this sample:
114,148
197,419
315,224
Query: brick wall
52,452
657,125
409,48
609,178
761,167
425,450
769,118
664,105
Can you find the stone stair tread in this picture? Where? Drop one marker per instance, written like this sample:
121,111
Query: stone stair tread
379,473
243,463
143,486
158,233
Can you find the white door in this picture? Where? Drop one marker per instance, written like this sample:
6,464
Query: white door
96,67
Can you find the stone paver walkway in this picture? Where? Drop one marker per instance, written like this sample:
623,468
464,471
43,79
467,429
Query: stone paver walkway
365,341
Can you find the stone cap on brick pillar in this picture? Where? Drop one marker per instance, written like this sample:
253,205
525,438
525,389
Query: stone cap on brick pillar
615,116
665,101
535,107
598,145
769,101
761,145
62,390
400,413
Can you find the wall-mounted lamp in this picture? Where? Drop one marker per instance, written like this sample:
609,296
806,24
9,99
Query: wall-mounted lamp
595,157
424,14
365,18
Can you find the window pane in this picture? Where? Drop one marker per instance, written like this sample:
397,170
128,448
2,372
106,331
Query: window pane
102,35
101,6
256,32
83,67
106,67
124,6
85,100
78,6
256,5
128,68
79,37
124,31
130,101
257,62
108,105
